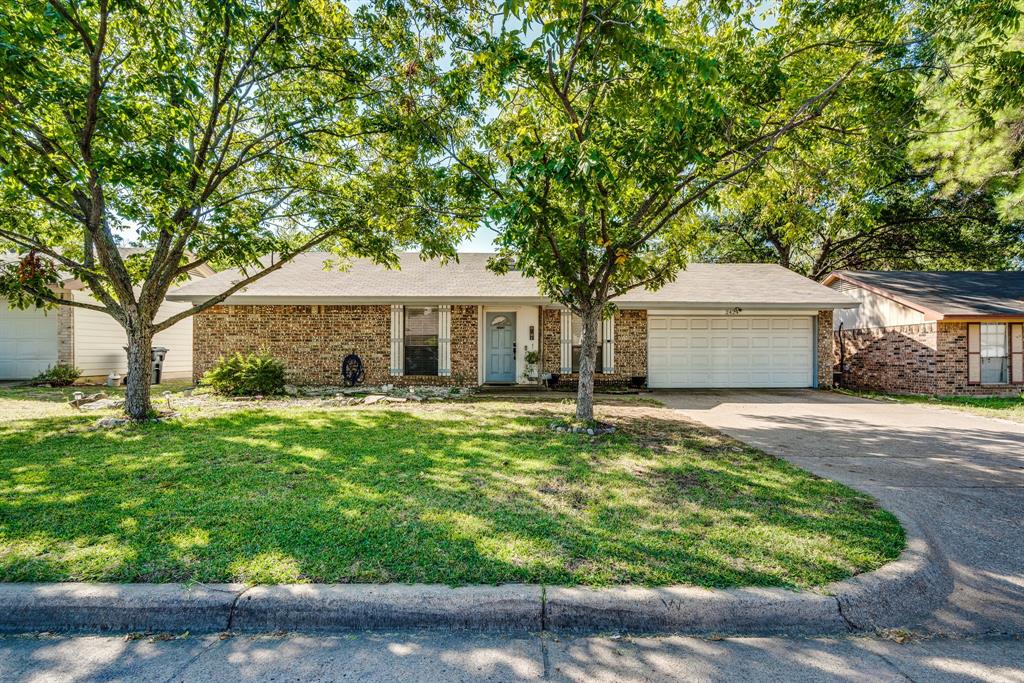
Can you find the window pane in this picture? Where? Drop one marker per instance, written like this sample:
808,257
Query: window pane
993,340
994,371
994,357
577,330
421,340
599,363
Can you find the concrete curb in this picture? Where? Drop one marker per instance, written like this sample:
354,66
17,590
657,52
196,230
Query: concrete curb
899,593
894,595
318,607
116,607
685,609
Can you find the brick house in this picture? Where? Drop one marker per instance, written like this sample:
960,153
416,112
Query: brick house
741,325
936,333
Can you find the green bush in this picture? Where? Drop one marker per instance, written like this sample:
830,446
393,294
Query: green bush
246,375
59,375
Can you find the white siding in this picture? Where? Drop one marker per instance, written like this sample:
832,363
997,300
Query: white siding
28,341
874,311
100,341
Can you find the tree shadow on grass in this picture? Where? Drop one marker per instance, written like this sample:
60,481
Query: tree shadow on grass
453,494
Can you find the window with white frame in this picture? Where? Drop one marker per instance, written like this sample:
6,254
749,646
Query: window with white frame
421,326
995,357
577,341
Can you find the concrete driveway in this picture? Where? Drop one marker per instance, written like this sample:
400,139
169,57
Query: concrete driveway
959,476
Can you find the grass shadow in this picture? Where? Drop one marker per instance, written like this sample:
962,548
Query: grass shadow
450,493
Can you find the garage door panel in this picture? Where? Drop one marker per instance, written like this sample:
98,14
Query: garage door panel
721,351
28,341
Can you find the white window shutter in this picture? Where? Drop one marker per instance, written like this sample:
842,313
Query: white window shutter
444,341
608,350
565,342
397,339
1017,353
973,353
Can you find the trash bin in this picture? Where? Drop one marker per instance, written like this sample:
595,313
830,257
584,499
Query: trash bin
158,354
156,359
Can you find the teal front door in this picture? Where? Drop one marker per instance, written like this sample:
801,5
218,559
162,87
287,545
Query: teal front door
501,347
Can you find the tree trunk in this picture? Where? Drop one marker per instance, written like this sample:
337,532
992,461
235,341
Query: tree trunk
588,359
136,399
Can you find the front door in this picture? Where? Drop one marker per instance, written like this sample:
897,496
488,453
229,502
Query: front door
501,347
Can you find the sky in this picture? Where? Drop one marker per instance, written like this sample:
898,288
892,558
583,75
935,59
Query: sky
480,241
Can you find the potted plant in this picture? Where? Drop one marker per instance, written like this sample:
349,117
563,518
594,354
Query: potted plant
532,359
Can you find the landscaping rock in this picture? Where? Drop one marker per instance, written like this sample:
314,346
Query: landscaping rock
600,430
104,404
110,422
291,390
373,398
82,400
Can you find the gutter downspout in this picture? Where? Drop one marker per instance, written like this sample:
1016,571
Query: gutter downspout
837,379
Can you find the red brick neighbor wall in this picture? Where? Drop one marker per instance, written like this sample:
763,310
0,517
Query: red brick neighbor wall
311,341
951,378
630,347
900,359
926,358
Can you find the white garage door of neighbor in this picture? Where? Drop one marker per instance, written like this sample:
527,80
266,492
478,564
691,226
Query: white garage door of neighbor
28,342
726,351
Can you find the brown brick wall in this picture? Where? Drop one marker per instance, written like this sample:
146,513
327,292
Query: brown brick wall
66,332
465,345
630,347
311,341
927,358
826,341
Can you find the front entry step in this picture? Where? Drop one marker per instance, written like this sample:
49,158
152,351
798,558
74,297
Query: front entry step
510,389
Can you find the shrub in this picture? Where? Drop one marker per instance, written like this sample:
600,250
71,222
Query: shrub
59,375
246,375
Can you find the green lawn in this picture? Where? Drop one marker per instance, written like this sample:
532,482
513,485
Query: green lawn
457,493
1009,408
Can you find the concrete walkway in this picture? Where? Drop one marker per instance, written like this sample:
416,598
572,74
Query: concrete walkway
959,476
418,656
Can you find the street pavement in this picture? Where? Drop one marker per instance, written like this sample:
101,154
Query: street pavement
433,656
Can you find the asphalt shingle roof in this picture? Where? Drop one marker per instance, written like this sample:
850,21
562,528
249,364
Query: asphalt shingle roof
949,293
305,280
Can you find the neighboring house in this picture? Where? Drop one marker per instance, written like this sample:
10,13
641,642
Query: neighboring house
34,339
739,325
940,333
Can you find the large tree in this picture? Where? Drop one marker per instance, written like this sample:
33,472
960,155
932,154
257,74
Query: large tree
923,174
209,131
975,101
853,199
610,127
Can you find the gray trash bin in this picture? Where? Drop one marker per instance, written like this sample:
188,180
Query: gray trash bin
158,355
156,361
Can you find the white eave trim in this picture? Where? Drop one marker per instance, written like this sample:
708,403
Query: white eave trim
530,301
357,301
745,306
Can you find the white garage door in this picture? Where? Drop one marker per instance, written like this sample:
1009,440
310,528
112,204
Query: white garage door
28,342
726,351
